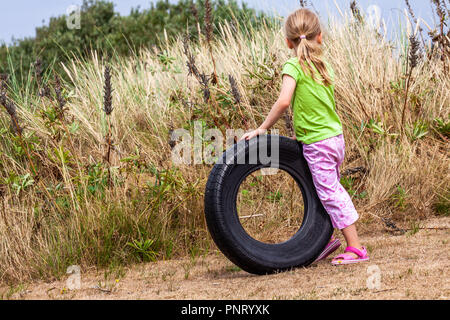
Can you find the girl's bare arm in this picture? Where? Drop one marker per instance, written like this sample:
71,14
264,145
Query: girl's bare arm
278,109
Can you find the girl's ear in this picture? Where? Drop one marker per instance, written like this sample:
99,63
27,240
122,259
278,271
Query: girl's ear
289,44
320,38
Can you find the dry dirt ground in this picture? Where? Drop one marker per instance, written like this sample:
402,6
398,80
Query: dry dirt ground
411,266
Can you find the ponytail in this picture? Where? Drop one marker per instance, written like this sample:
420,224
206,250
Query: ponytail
302,29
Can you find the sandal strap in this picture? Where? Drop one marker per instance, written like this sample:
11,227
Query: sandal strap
358,252
344,257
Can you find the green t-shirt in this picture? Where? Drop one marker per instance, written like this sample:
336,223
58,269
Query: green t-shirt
315,117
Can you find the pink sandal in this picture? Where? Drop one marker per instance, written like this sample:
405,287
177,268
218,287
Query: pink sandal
344,259
331,247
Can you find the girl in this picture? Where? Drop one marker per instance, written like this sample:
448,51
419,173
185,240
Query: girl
308,84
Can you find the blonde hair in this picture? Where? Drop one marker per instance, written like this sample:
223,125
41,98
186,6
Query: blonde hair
302,28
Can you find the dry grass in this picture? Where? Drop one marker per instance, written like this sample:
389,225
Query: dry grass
270,207
70,212
411,267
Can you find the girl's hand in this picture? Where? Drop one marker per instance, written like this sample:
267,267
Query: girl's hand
253,134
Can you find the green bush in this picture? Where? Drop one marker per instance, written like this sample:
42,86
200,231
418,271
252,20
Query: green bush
108,32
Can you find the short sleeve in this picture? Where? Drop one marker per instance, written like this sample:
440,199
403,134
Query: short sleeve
291,70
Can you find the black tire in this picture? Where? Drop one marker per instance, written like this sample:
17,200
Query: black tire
223,221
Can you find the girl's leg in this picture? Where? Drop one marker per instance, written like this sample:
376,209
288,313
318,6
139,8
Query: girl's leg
324,159
350,233
352,239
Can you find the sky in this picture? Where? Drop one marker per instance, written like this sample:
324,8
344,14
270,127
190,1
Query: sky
19,18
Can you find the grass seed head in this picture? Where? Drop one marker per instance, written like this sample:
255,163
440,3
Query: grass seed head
44,90
59,96
235,89
356,11
204,81
413,51
107,104
192,68
3,83
411,11
208,20
38,69
303,3
194,11
11,109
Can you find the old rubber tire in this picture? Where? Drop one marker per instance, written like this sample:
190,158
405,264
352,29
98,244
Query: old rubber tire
223,221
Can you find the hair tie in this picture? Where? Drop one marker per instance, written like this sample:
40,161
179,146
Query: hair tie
302,37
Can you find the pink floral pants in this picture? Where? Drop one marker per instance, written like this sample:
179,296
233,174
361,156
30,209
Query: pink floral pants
324,159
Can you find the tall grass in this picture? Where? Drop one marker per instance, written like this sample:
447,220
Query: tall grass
63,202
